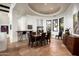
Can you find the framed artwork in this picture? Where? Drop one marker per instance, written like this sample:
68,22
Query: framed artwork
39,29
4,28
29,26
55,25
76,23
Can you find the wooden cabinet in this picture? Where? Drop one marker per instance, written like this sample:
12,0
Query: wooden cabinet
72,44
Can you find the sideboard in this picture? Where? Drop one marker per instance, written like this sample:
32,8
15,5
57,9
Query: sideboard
72,44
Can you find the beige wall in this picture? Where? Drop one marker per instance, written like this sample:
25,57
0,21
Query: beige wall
4,19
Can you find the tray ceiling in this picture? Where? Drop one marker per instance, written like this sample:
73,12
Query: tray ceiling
42,9
48,8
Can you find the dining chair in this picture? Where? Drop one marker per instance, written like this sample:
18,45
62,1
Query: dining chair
59,34
43,38
34,33
38,40
32,40
48,40
29,39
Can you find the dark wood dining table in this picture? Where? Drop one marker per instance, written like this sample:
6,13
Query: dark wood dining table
37,36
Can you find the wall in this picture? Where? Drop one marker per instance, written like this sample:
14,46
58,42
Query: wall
21,24
4,19
68,20
76,10
68,17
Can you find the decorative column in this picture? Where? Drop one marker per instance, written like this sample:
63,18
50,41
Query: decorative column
10,22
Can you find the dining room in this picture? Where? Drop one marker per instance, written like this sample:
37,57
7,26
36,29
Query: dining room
41,29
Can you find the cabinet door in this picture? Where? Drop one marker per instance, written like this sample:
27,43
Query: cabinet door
70,44
76,47
65,39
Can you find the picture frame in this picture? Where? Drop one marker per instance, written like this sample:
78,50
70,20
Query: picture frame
29,26
4,28
76,23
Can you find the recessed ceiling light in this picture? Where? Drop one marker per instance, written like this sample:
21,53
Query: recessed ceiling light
51,8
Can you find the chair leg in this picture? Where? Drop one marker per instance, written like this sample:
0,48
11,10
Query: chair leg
44,42
61,38
32,44
58,37
29,44
36,43
49,40
41,43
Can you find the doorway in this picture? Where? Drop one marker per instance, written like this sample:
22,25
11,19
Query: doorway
61,24
48,26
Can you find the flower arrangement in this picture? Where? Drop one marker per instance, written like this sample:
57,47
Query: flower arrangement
67,31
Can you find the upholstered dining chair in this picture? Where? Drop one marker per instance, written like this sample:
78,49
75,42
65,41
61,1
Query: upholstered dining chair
59,34
32,40
43,38
48,36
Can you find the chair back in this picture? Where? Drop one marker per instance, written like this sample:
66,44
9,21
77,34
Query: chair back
32,38
43,36
24,32
34,33
60,33
48,35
